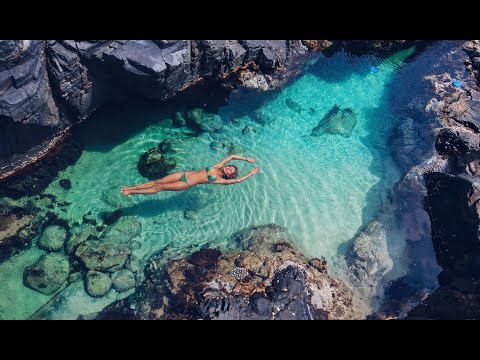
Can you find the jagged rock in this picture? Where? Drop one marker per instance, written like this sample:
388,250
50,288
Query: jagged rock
369,260
456,142
39,77
451,203
123,280
53,238
48,274
317,45
97,284
103,255
153,165
79,235
280,284
336,122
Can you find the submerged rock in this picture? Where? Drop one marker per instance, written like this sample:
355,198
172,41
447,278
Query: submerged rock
293,105
53,238
97,284
17,229
201,121
133,263
65,184
48,274
248,131
123,230
268,279
123,280
235,149
153,165
103,255
79,235
166,146
337,122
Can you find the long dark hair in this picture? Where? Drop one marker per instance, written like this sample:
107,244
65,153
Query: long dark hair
233,176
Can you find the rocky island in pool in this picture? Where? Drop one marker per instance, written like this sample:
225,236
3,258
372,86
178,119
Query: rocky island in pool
366,205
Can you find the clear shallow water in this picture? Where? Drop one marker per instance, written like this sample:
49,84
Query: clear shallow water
323,189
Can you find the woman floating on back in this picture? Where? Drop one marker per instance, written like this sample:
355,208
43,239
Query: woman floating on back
220,173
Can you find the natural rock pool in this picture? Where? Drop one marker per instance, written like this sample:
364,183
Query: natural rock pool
331,145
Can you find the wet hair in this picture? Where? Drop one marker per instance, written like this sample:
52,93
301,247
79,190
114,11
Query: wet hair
233,176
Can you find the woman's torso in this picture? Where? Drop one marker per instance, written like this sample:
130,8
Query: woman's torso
202,176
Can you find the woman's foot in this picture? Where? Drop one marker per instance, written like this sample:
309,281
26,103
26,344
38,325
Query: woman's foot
124,190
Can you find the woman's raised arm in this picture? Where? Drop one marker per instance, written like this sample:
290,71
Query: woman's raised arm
235,157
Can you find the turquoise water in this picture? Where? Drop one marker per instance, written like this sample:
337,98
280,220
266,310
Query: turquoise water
323,189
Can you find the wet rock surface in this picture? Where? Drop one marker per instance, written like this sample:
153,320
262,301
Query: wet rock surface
48,274
276,282
452,199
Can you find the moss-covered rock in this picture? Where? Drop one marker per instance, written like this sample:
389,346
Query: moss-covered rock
48,274
97,284
53,238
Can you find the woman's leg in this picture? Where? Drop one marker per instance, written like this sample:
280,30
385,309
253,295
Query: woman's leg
172,186
166,179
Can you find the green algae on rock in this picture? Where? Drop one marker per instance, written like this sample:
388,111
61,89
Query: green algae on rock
337,122
48,274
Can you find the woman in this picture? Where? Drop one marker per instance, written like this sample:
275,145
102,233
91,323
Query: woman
220,173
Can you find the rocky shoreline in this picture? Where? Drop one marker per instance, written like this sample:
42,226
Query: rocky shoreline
452,198
48,86
266,280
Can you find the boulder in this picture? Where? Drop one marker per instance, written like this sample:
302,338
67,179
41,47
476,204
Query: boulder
79,235
153,165
456,142
48,274
123,280
53,238
124,230
103,255
452,204
97,284
201,121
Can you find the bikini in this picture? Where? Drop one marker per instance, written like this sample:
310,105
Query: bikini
210,178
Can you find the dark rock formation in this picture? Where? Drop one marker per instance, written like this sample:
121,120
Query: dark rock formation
268,279
453,206
153,165
65,184
47,86
35,178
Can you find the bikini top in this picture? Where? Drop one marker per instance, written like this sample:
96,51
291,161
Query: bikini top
210,178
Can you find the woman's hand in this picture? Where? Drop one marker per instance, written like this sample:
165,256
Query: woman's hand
251,160
255,170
